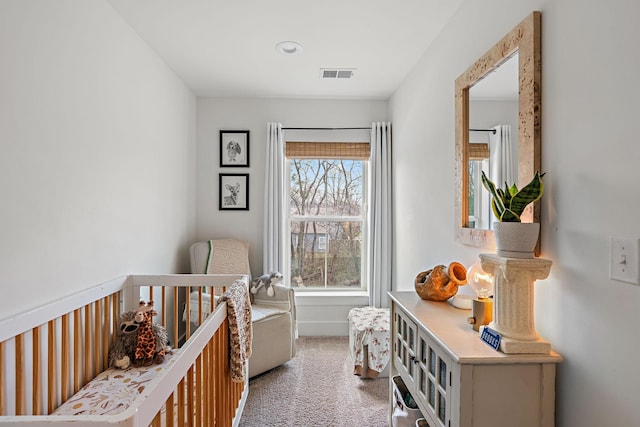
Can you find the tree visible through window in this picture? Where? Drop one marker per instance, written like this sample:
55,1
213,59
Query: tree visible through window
326,222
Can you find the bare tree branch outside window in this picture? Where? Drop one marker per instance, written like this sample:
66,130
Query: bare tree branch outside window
326,202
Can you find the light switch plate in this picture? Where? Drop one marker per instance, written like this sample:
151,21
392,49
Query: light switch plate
624,257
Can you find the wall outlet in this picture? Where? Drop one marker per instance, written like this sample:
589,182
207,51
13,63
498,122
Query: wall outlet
624,257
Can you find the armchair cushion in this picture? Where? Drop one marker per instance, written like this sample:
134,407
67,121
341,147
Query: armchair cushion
281,302
260,312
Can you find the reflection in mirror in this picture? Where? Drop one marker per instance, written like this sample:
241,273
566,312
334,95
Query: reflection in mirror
493,137
484,124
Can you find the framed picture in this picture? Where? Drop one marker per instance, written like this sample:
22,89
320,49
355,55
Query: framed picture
234,148
234,191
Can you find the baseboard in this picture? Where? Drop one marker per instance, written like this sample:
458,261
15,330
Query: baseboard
323,328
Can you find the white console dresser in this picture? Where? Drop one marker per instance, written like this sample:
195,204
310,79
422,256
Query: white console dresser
458,380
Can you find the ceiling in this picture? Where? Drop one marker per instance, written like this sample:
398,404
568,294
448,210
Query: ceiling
227,48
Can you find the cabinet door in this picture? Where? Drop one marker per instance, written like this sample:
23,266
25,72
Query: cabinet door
405,332
433,386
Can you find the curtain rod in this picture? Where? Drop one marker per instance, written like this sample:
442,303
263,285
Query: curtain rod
493,131
326,128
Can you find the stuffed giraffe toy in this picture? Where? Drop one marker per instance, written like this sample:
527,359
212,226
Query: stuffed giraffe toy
146,346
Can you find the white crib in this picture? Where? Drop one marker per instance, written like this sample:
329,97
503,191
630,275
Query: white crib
49,354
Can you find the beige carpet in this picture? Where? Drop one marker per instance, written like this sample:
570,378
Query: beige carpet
317,388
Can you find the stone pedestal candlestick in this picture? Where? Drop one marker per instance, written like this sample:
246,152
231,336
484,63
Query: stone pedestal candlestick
513,301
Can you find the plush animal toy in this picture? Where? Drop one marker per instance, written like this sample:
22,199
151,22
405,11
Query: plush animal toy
146,346
268,281
122,351
123,348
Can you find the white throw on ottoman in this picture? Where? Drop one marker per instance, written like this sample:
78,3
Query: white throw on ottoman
370,341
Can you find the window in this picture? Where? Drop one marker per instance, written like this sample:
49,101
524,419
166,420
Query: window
322,243
326,222
478,204
475,186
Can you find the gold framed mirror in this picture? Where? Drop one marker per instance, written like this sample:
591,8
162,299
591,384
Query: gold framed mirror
523,43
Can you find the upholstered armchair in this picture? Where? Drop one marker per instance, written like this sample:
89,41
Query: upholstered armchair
273,318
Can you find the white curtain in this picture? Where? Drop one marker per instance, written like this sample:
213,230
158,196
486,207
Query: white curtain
381,220
274,244
503,166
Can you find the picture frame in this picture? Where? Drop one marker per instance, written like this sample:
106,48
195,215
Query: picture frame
234,148
233,191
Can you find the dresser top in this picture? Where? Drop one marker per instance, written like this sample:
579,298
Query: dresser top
448,326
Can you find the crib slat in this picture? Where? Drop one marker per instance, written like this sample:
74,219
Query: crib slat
106,332
65,358
198,386
20,375
199,306
51,366
225,381
163,304
76,350
115,319
210,375
205,385
188,313
239,388
95,353
169,405
190,395
227,376
181,403
87,344
218,377
37,372
222,370
156,420
175,317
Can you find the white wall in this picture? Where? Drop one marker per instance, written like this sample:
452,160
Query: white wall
590,154
215,114
97,153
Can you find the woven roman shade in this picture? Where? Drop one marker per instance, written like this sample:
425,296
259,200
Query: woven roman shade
328,150
478,151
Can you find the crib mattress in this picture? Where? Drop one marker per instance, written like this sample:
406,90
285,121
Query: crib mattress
112,391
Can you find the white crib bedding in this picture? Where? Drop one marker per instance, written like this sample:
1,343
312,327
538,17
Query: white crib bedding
112,391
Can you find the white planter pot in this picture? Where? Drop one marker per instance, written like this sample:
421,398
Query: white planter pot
516,239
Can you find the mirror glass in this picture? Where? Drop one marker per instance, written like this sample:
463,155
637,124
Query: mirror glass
493,137
498,109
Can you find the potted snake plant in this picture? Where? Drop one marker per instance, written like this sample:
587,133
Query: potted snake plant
514,238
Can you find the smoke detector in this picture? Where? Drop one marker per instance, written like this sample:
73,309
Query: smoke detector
336,73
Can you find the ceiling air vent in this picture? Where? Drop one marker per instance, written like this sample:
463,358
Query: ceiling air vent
336,73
